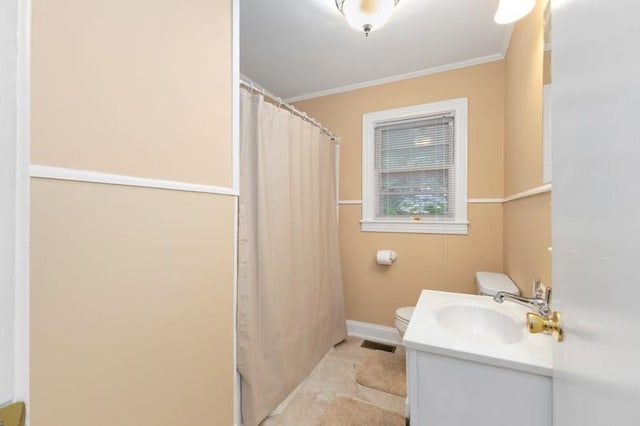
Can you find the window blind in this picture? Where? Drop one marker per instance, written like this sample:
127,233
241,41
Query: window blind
414,167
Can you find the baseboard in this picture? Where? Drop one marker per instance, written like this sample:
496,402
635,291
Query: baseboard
374,332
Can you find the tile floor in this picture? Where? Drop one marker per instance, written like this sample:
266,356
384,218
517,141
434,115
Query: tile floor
334,376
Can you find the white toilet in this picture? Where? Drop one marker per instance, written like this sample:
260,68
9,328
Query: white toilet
403,316
487,283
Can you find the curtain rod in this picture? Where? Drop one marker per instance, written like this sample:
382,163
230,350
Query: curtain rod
254,87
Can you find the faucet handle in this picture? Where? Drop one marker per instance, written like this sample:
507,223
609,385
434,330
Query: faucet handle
547,295
537,288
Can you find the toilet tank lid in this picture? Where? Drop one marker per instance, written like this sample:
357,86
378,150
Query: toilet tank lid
492,282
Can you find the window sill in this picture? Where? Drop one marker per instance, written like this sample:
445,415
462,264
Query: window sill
414,227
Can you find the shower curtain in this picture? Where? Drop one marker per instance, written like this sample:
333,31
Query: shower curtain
290,300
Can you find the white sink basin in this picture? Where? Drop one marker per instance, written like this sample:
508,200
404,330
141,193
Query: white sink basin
478,322
475,328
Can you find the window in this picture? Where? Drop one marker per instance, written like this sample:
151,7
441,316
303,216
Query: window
415,169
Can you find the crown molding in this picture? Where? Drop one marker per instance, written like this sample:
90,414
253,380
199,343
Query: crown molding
399,77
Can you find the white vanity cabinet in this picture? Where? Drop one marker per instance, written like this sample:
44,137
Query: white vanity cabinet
462,374
445,391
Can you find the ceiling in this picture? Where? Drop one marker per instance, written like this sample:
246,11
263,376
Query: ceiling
297,48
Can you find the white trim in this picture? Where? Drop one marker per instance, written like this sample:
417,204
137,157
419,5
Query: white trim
14,128
470,200
373,332
235,73
459,224
485,200
399,77
411,227
336,174
506,42
529,193
235,40
22,238
51,172
237,408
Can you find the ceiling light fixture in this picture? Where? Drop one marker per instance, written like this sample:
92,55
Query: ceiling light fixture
366,15
511,10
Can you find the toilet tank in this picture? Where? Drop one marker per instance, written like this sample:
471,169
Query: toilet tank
489,283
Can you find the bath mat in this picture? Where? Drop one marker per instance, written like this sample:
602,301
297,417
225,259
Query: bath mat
368,344
345,411
385,372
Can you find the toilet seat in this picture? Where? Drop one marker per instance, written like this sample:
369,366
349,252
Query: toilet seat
404,314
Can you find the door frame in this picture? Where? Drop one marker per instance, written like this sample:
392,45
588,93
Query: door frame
16,145
22,217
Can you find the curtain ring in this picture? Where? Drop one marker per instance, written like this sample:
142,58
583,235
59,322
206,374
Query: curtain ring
279,102
252,89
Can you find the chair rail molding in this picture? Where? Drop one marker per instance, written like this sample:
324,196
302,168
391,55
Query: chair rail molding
76,175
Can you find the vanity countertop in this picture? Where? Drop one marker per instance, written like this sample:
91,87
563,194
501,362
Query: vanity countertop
468,334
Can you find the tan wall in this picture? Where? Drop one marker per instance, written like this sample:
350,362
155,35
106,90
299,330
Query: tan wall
132,288
527,235
523,105
372,293
132,86
527,232
131,306
425,261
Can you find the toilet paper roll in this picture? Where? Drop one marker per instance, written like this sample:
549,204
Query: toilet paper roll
386,257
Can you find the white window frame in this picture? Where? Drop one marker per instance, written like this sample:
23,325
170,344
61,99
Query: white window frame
459,224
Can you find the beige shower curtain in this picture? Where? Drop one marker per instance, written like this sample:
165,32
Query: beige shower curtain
290,301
